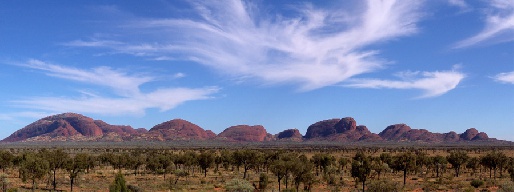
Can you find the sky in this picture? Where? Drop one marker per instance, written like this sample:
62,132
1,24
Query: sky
440,65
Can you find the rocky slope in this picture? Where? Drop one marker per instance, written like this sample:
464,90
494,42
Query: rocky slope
402,132
178,129
67,126
290,134
344,129
254,133
76,127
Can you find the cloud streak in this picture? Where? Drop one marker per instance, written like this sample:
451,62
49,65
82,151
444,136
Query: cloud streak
312,47
499,25
507,77
128,100
432,84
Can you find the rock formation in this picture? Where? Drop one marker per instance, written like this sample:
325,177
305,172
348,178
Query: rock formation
179,129
245,133
290,134
76,127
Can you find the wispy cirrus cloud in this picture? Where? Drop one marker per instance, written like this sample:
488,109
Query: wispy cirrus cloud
13,116
129,98
432,84
122,83
499,25
312,47
507,77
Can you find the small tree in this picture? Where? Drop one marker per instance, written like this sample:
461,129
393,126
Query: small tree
178,174
404,162
6,160
322,161
136,161
206,160
33,167
511,168
76,165
361,168
457,159
301,170
491,161
280,169
439,162
249,160
119,184
57,160
473,164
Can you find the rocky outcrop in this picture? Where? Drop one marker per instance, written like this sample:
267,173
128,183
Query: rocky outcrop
117,129
321,129
402,132
343,130
346,124
179,129
254,133
65,125
469,134
480,136
290,134
394,132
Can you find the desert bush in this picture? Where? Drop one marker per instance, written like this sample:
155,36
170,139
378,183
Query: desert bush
330,179
119,184
476,183
379,186
263,181
5,181
133,188
239,185
431,186
506,187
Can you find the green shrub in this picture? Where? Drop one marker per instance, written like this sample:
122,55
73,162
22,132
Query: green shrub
119,184
506,187
476,183
263,181
379,186
133,188
239,185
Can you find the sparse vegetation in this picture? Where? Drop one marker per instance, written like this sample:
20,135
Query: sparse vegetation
296,169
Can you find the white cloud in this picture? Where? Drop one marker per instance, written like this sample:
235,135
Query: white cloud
499,25
179,75
459,3
123,84
505,77
314,48
431,83
25,114
129,99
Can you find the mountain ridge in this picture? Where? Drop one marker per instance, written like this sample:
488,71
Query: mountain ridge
77,127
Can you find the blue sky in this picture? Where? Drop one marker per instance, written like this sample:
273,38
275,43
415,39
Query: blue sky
437,65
